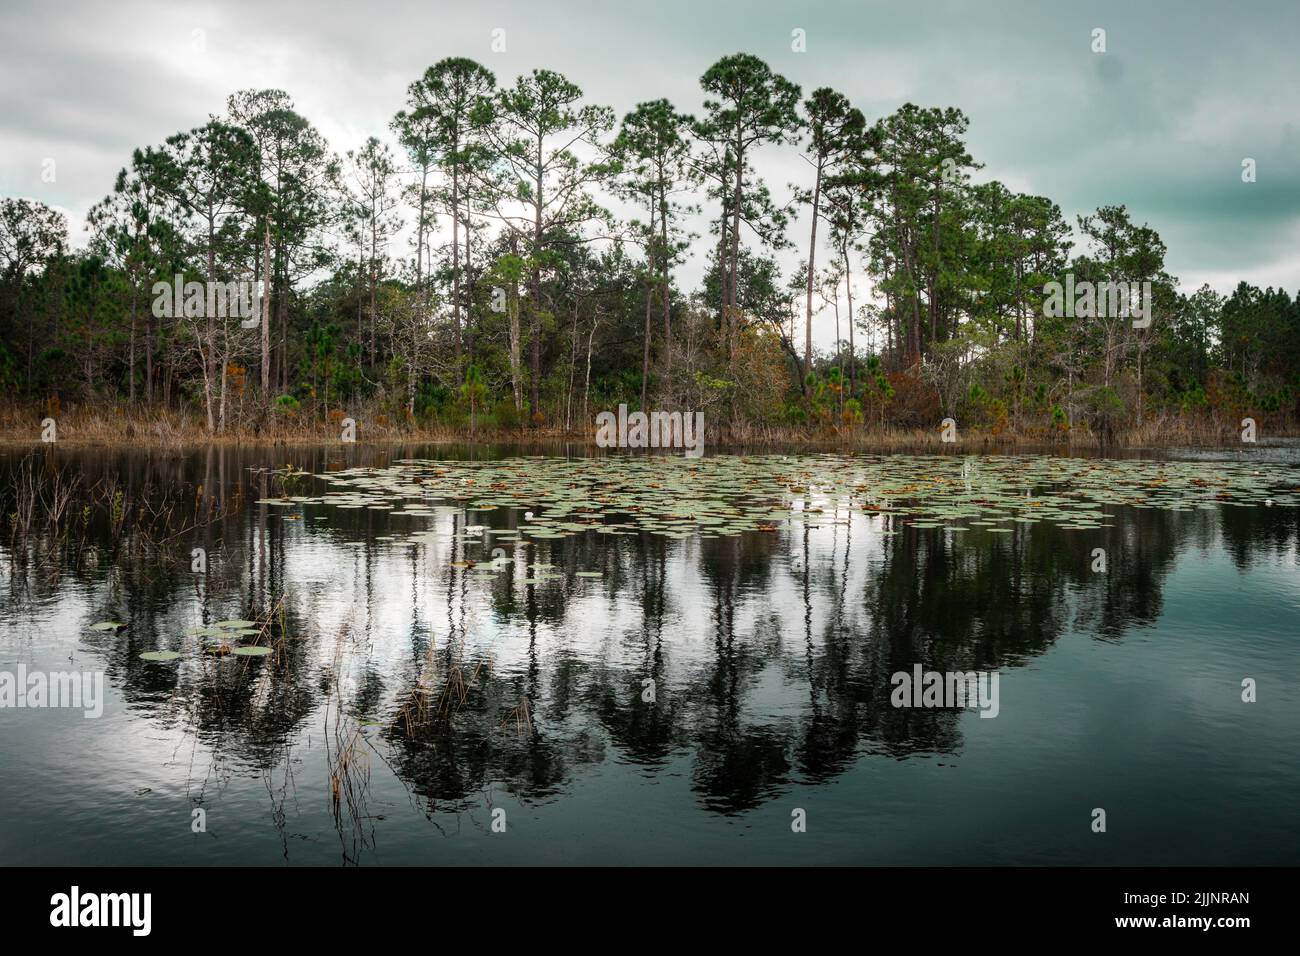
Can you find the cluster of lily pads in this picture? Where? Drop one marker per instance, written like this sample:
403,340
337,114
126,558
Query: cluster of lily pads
732,494
220,639
727,495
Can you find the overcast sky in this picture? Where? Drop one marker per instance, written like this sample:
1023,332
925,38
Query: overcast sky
1160,122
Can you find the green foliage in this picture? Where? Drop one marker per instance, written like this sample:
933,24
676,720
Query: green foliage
1104,409
523,316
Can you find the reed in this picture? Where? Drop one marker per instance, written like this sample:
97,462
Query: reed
148,426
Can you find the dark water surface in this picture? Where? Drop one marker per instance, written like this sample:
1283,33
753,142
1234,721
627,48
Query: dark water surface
410,696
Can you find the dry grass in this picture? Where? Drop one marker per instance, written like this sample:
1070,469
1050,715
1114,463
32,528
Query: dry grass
164,427
38,494
170,428
522,716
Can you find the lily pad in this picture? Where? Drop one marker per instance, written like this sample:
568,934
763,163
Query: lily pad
728,495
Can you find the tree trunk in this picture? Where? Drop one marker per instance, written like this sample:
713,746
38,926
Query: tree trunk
210,371
848,291
735,242
649,301
724,276
373,278
586,388
515,331
148,358
455,255
812,268
131,386
225,364
419,231
469,276
666,259
284,337
266,313
535,386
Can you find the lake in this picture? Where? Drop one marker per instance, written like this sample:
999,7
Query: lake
459,656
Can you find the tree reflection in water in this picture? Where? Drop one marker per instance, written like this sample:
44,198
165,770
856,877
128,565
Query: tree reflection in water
763,660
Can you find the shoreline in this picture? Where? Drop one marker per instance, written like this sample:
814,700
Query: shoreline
152,427
894,442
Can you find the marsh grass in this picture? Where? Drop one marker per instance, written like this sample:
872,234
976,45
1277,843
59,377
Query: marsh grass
348,759
171,428
37,496
439,694
49,511
522,717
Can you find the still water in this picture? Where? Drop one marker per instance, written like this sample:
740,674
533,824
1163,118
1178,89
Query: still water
441,688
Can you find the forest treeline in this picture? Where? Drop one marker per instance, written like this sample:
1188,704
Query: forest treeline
514,263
